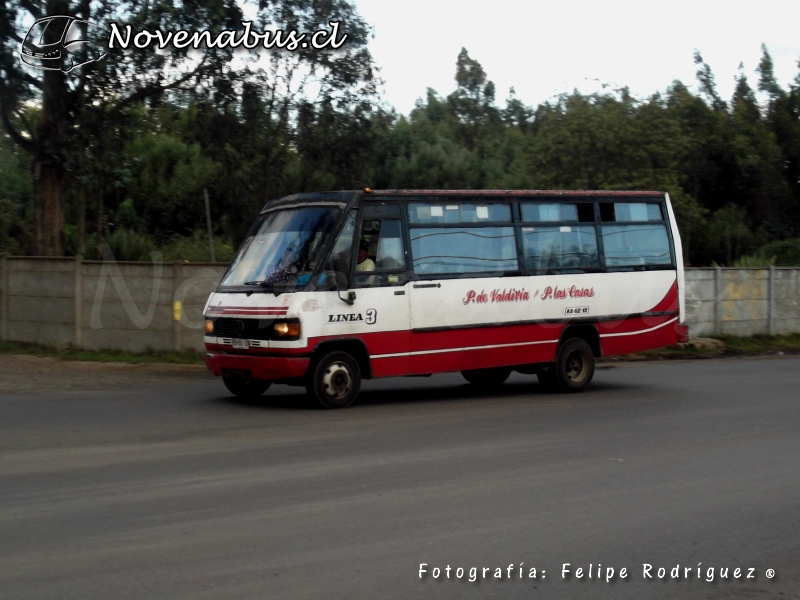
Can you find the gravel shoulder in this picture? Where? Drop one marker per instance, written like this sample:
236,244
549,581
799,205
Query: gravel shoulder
20,373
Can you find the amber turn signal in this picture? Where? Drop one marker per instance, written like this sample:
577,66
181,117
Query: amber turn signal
209,326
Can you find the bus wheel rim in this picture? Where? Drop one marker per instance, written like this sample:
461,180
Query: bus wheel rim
576,367
337,380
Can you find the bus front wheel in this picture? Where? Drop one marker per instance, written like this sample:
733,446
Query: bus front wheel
574,366
246,387
335,380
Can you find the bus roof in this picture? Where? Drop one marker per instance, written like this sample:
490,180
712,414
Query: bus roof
550,193
346,197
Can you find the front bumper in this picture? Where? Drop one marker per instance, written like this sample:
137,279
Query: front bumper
259,367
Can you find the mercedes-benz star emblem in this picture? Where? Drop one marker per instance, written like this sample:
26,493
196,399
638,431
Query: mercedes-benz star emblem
239,328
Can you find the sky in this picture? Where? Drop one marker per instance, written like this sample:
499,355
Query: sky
543,49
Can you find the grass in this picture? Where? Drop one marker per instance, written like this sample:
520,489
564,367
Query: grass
734,346
762,344
673,352
184,357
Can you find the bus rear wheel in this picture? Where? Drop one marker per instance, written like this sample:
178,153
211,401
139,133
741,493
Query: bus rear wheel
335,380
487,377
246,387
574,366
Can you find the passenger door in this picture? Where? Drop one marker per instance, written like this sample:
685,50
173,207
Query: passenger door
382,293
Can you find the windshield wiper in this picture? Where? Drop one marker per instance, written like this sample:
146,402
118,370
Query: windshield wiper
265,285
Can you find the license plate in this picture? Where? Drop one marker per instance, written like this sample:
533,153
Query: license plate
242,344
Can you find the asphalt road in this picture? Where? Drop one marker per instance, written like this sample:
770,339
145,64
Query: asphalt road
175,490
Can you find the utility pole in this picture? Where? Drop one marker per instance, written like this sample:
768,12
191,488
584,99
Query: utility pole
208,222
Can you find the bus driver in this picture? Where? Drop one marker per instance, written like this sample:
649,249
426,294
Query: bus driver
365,263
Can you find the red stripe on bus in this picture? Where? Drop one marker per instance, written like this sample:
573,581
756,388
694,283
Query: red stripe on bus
670,300
244,310
664,333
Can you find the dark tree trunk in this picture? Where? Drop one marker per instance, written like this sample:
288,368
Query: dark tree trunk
49,240
51,137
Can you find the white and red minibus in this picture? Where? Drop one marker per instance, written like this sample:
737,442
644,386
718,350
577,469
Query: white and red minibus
332,288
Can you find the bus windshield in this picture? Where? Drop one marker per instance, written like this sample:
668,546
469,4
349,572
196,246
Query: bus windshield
283,248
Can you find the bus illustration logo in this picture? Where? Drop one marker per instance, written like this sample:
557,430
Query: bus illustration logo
51,44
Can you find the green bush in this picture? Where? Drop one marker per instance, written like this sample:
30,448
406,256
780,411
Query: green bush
129,245
195,249
759,259
10,228
124,244
126,217
786,252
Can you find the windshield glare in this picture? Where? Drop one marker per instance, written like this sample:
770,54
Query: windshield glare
283,248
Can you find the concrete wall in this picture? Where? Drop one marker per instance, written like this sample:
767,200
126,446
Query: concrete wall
131,306
98,305
743,302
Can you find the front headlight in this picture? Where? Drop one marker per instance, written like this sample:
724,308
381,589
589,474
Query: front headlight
286,330
209,326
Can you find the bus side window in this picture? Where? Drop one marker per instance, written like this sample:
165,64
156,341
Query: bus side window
554,237
634,235
548,248
454,238
628,245
385,243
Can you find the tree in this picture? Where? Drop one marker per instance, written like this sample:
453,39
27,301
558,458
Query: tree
473,100
759,186
93,100
66,95
782,121
708,86
264,134
15,197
